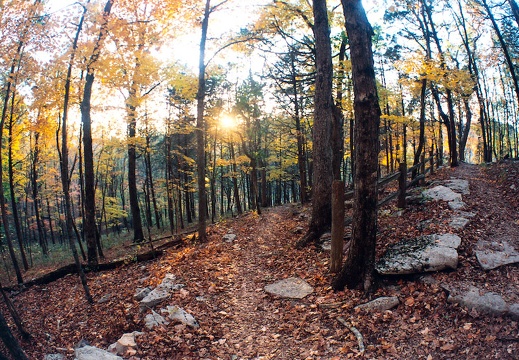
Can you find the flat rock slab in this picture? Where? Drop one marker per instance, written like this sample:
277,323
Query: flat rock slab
423,254
292,288
457,204
494,255
380,304
487,303
93,353
441,193
458,185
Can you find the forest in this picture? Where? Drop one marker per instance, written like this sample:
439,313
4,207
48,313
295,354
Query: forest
126,119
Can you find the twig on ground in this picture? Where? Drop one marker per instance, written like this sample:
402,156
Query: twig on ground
356,332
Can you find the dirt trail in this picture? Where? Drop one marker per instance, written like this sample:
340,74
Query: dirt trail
224,290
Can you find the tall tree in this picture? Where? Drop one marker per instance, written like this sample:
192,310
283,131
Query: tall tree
360,264
64,161
89,200
322,130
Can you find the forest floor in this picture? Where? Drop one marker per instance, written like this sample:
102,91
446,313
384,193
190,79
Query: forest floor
224,291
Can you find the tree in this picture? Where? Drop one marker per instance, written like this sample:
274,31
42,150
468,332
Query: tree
90,209
10,341
360,264
322,130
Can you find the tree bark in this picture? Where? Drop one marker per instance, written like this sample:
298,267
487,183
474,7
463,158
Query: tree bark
200,129
10,341
322,130
90,209
360,264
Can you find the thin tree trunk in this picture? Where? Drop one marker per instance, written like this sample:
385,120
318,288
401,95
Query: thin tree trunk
64,164
14,206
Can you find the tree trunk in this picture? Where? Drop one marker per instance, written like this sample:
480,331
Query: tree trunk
14,206
323,120
10,341
89,226
360,264
64,165
200,129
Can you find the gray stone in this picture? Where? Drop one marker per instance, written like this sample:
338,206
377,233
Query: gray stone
155,297
293,288
488,303
93,353
141,293
380,304
456,204
161,292
126,345
459,223
492,256
423,254
154,319
178,314
466,214
229,238
54,357
514,311
441,193
458,185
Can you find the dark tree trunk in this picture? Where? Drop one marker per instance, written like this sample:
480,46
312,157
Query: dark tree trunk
323,120
10,341
360,265
89,226
64,165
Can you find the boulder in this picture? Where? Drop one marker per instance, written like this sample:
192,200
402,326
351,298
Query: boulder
93,353
441,193
154,319
488,303
293,288
423,254
380,304
176,313
126,345
494,255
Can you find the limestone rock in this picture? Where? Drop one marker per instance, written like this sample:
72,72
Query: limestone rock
229,238
141,293
488,303
161,292
178,314
126,345
293,288
441,193
493,255
456,204
154,319
380,304
423,254
514,311
459,223
458,185
93,353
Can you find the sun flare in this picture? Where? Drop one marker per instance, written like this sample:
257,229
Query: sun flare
228,122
